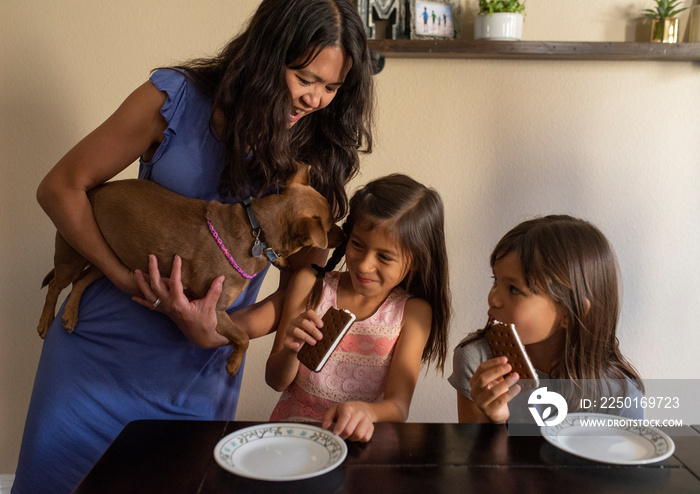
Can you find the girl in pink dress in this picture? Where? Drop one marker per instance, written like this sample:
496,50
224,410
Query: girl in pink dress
396,283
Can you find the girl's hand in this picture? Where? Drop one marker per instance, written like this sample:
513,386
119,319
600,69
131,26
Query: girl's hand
195,318
353,420
296,326
303,329
491,392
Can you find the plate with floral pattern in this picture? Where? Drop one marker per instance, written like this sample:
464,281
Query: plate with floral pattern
609,439
280,452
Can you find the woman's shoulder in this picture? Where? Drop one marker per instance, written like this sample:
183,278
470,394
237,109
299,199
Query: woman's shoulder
182,97
169,80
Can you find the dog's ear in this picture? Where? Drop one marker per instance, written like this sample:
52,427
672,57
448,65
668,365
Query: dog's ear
309,231
302,175
336,236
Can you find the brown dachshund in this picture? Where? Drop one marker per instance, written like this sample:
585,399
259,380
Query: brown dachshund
140,217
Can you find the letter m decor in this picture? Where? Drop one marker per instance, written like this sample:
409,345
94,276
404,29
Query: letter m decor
378,15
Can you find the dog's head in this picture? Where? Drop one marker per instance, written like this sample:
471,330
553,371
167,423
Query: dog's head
298,217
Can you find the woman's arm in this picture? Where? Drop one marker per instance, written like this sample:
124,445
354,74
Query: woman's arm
136,128
355,420
296,327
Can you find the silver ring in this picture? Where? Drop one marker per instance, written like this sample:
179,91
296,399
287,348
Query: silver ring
156,303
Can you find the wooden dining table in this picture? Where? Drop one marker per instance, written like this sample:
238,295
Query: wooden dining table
152,456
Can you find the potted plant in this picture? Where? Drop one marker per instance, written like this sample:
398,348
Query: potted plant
499,20
664,24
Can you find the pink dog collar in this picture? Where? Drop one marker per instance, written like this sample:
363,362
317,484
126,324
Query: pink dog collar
227,254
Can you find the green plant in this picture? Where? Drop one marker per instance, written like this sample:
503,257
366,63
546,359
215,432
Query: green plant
491,6
664,9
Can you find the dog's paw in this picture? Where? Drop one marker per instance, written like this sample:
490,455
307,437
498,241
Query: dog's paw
69,321
42,329
70,313
233,363
45,323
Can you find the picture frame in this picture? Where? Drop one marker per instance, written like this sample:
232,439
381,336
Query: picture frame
434,19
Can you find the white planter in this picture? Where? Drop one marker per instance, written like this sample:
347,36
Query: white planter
502,26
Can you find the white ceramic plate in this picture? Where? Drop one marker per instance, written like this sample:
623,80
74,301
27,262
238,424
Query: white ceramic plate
608,442
280,452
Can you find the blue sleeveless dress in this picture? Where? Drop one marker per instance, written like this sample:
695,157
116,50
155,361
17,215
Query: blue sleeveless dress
125,362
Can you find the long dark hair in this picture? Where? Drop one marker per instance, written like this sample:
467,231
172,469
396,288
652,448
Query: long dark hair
571,261
246,81
416,213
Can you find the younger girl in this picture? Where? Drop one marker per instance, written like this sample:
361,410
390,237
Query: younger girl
555,279
396,284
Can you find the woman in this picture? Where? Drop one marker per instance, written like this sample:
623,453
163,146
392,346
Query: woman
295,85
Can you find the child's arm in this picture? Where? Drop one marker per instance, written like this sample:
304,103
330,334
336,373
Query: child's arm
262,317
491,393
296,326
355,420
468,412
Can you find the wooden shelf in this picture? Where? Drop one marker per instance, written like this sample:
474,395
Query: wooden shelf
536,50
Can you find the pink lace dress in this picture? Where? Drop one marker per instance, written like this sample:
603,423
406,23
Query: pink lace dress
358,368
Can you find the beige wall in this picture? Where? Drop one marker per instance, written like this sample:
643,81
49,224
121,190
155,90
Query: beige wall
614,142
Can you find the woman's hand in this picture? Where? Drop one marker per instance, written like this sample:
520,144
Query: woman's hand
195,318
353,420
491,391
303,329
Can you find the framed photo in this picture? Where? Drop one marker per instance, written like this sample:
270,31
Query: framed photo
434,19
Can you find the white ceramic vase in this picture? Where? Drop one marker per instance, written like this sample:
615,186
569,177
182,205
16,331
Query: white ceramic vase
502,26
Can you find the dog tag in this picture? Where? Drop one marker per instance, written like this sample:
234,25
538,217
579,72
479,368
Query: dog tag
257,248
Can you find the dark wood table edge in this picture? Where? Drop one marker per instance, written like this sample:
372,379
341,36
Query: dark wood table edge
685,456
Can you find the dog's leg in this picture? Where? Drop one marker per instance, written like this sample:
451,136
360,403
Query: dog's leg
70,311
49,311
68,266
238,339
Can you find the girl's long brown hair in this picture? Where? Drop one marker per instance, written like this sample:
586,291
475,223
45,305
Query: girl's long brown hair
246,81
416,213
